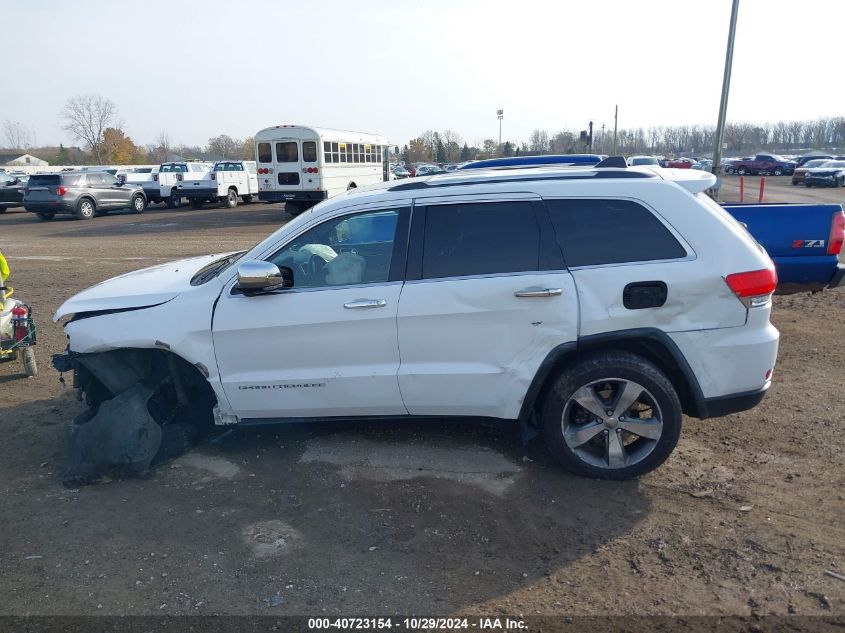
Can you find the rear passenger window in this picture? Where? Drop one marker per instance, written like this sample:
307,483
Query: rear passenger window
264,155
595,232
287,152
309,151
479,239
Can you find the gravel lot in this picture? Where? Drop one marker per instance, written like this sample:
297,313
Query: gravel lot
744,518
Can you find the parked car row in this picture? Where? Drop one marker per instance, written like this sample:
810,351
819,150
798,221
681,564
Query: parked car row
91,191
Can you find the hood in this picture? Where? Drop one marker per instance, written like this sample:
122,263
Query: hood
139,289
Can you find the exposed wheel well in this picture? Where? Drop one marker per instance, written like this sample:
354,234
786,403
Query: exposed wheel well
652,349
234,188
351,185
176,382
88,198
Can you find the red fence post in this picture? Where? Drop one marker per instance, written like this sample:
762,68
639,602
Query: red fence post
742,188
762,188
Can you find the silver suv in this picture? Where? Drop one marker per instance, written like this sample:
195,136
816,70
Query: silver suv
82,194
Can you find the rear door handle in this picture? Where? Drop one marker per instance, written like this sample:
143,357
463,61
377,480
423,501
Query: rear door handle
539,292
365,303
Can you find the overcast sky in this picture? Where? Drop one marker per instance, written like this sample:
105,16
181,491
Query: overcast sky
196,69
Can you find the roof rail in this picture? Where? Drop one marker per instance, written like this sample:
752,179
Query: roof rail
434,182
613,161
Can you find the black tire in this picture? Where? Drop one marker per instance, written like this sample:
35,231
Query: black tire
85,209
640,454
841,182
230,200
742,171
29,364
778,171
794,182
293,208
247,199
196,204
807,184
138,203
46,217
174,201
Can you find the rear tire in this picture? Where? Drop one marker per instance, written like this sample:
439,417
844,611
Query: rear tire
247,199
196,204
29,364
174,201
138,204
630,441
46,217
85,209
230,200
742,171
778,171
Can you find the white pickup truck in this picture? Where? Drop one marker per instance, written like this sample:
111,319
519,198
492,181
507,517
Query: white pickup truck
228,180
164,184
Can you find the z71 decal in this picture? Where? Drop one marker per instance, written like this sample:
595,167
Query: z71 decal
808,244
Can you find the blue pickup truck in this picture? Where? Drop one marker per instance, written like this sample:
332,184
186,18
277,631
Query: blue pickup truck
804,241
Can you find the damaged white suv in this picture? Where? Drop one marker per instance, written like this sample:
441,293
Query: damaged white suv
593,306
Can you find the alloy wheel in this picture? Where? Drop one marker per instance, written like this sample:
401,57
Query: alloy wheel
612,423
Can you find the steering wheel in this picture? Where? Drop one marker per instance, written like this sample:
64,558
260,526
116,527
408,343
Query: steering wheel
315,266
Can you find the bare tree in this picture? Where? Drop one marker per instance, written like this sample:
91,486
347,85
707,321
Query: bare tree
17,136
225,146
539,141
87,117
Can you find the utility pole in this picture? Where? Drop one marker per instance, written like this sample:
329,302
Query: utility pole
500,114
726,84
591,137
615,122
601,142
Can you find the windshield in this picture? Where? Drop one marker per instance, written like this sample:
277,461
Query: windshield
644,160
210,271
833,163
816,163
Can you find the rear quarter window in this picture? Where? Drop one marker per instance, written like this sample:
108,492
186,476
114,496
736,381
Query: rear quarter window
45,181
592,232
264,153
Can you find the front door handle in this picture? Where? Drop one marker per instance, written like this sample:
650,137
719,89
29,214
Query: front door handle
365,303
539,292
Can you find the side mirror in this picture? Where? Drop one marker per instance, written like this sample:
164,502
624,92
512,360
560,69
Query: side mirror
256,275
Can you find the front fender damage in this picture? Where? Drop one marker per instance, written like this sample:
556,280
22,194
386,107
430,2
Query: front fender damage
146,406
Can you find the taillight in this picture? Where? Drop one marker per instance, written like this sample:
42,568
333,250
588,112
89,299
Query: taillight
213,176
753,288
179,177
155,177
60,191
837,234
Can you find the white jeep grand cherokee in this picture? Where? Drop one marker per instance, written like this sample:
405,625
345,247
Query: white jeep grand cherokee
594,306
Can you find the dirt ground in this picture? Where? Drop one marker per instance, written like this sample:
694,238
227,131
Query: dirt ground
433,519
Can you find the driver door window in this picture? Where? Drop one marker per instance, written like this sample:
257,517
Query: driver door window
363,248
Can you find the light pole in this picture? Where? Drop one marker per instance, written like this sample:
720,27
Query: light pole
500,114
726,84
615,122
